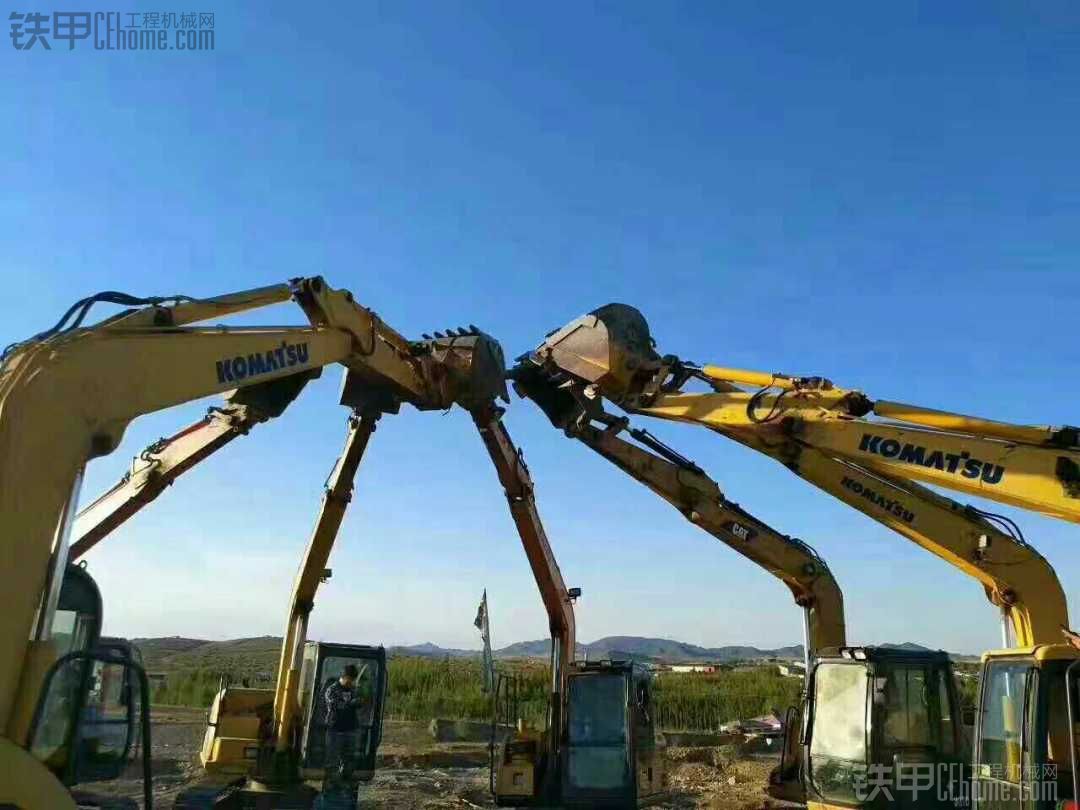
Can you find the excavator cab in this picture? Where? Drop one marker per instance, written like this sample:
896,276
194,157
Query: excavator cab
1028,729
610,757
323,664
92,717
882,727
239,717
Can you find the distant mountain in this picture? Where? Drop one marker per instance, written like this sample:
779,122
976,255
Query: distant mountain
259,656
649,649
249,656
429,650
527,649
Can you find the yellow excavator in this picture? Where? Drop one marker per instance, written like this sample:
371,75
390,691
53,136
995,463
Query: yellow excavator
66,396
684,485
872,455
538,766
597,747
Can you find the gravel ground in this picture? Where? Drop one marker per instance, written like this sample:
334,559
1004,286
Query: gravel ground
419,774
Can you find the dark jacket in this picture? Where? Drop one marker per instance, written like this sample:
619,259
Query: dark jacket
341,706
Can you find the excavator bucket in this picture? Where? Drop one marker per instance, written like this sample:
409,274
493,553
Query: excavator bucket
551,393
468,368
464,367
611,347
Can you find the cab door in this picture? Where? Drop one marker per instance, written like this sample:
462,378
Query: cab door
648,755
93,714
1004,703
835,754
323,664
917,736
597,767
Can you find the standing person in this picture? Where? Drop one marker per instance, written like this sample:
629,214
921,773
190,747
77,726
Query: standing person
342,724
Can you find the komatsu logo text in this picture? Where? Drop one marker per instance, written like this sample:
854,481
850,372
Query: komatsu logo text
890,505
234,369
957,463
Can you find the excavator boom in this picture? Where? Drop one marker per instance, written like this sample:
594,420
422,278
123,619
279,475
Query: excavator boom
514,476
463,368
336,498
558,600
68,394
877,457
823,434
156,468
697,497
683,484
1034,467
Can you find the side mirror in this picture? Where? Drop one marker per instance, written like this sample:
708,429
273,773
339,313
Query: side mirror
92,716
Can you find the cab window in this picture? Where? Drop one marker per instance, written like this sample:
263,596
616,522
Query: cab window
1055,747
838,731
914,709
1004,691
597,710
597,735
76,624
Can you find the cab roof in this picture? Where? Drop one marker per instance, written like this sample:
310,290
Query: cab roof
1040,652
885,653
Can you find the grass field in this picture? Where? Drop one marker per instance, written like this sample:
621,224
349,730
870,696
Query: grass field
423,688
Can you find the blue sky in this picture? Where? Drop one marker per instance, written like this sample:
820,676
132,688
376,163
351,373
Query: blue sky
885,195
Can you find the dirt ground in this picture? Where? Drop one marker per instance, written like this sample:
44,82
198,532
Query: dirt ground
415,772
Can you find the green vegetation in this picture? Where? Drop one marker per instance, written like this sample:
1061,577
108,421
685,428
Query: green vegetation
195,687
702,702
423,688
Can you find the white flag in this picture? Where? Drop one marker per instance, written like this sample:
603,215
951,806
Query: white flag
481,623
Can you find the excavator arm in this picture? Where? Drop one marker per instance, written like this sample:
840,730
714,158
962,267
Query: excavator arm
67,395
698,498
1032,467
686,487
558,599
610,353
156,468
513,475
517,484
461,359
337,494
